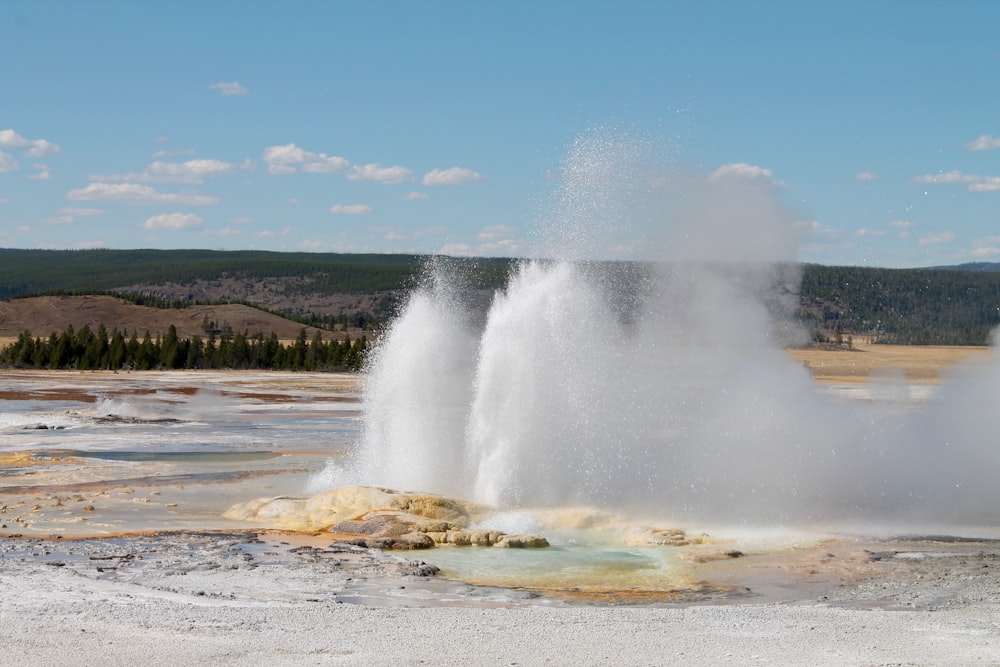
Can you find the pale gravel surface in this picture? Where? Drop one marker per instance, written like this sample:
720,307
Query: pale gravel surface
199,598
226,598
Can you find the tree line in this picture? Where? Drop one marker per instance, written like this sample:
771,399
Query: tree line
100,350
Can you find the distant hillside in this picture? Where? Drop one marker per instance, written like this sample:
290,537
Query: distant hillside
902,306
945,306
972,266
45,315
323,289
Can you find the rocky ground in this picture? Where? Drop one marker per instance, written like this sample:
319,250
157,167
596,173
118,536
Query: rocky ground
273,598
245,595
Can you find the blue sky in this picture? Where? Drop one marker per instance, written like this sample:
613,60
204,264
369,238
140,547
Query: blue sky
443,126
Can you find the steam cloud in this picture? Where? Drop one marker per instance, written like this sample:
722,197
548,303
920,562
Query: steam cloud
676,400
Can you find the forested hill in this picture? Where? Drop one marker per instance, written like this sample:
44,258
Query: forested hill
41,271
944,306
940,306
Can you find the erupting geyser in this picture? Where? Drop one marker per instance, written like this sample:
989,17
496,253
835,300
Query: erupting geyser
659,386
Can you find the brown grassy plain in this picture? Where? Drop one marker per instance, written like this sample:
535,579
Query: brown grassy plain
919,363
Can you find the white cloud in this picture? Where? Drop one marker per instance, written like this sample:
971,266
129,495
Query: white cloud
456,250
745,171
4,200
502,248
988,184
495,232
452,176
192,171
173,221
953,176
870,232
416,196
866,176
493,241
903,226
8,163
985,251
325,164
819,232
228,231
976,183
288,158
42,172
350,209
41,148
380,174
136,194
32,147
240,220
69,215
936,239
82,211
230,88
986,142
174,153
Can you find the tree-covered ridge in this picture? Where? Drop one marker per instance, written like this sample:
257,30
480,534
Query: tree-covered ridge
944,306
41,271
902,306
89,350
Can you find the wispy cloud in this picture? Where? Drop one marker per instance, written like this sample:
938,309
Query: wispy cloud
745,171
133,193
986,142
866,176
936,239
416,196
68,216
230,88
492,241
41,172
400,234
946,177
173,153
974,182
903,226
192,171
380,174
350,209
987,247
289,158
173,221
8,163
10,139
452,176
988,184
